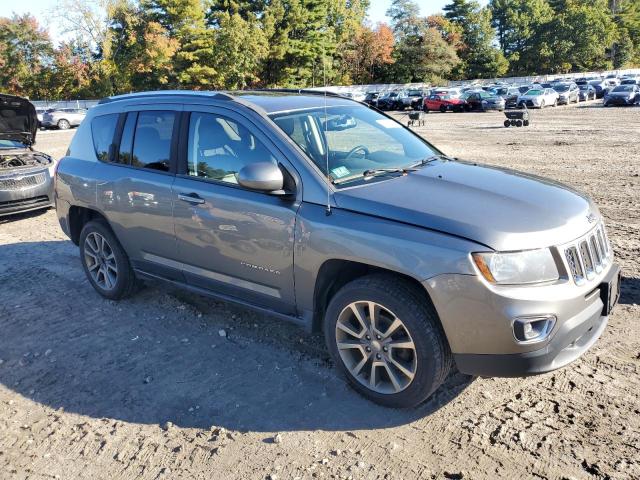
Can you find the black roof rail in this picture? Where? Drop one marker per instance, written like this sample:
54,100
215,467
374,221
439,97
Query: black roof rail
201,93
300,91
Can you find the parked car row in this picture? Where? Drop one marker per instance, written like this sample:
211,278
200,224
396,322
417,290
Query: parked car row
500,96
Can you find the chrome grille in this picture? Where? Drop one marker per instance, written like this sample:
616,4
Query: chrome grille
588,256
18,183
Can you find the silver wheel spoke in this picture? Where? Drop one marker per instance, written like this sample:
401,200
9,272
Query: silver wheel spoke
356,370
393,377
407,373
393,327
359,314
372,376
348,330
402,344
346,345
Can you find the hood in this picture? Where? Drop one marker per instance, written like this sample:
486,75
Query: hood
18,119
502,209
620,94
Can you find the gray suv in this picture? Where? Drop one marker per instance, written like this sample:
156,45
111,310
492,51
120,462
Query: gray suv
325,212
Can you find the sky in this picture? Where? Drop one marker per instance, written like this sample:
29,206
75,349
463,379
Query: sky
41,9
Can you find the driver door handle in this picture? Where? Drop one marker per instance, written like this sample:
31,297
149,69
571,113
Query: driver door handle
191,198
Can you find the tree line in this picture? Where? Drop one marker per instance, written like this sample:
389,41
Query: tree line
118,46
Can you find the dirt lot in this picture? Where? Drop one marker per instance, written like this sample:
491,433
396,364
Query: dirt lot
148,388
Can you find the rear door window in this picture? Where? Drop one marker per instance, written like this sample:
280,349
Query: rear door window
152,140
103,129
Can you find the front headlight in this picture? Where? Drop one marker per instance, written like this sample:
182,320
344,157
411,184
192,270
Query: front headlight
513,268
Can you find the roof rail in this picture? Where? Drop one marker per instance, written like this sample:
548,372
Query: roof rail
201,93
300,91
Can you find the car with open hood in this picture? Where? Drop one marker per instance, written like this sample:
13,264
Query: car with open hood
26,175
328,213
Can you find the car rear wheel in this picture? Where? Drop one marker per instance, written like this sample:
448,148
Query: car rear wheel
63,124
385,339
104,261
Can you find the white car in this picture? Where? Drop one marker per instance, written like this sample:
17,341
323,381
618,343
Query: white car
538,97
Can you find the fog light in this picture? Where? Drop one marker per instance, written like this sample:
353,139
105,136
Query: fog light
533,329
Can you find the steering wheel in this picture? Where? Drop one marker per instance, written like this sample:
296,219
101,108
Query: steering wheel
355,149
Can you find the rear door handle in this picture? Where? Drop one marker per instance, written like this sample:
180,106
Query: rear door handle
190,198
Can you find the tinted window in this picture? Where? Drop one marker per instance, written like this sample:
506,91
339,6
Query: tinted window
219,148
126,142
102,130
152,140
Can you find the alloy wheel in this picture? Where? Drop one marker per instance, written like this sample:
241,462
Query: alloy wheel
100,261
376,347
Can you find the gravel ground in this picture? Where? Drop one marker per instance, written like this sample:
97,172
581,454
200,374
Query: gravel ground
170,385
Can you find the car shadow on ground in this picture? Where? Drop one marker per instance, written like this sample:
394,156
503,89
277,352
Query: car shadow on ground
22,216
155,358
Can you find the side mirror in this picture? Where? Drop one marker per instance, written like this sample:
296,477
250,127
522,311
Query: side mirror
262,176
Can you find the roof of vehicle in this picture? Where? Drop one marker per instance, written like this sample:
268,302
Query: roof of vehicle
270,101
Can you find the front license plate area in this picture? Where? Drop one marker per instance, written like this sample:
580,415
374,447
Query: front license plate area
610,293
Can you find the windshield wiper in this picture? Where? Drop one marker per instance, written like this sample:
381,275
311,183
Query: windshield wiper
432,158
375,172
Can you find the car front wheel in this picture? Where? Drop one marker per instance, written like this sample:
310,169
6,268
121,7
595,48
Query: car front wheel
385,338
105,262
64,124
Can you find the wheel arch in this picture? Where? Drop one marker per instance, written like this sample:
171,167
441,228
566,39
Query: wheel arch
79,217
335,273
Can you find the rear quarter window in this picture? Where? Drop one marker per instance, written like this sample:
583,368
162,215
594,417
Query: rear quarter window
103,128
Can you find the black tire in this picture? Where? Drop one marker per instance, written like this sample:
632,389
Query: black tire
126,282
507,123
433,356
525,123
63,124
518,123
443,109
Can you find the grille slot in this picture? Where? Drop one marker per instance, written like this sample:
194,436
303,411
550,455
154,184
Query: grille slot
22,182
588,256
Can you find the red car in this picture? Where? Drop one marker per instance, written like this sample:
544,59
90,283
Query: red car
443,103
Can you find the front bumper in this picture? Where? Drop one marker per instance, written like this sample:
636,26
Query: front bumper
477,320
619,101
17,195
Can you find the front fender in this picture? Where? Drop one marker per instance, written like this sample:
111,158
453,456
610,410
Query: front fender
344,235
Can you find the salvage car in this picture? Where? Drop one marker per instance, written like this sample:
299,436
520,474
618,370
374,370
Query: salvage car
622,95
510,95
538,98
587,92
414,99
567,93
326,212
443,103
63,118
392,100
483,101
26,176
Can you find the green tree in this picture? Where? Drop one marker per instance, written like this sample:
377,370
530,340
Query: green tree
578,37
521,26
479,57
421,53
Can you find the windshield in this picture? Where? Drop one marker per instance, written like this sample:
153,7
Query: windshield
583,86
561,88
534,92
623,88
354,138
415,93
